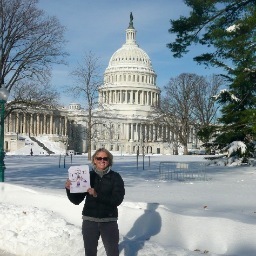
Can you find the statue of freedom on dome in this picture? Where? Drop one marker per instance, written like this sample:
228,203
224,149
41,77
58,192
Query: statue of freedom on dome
131,17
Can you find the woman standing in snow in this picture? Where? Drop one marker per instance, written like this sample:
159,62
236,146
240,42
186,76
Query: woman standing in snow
100,209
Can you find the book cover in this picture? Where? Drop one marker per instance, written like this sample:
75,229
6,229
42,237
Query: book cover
80,178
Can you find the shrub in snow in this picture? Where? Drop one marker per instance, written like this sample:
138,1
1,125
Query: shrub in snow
236,148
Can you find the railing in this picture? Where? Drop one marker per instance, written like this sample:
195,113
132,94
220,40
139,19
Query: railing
182,171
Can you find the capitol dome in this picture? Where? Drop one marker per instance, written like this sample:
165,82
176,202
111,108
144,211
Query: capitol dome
130,55
129,80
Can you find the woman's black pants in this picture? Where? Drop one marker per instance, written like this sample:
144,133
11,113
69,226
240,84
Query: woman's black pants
109,234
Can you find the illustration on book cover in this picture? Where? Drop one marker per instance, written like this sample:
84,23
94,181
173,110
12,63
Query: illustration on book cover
80,178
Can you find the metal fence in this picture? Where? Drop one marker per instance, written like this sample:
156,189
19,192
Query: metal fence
182,171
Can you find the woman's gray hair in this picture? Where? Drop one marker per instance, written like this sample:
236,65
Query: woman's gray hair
110,156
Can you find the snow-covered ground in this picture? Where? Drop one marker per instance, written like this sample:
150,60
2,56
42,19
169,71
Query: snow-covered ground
215,216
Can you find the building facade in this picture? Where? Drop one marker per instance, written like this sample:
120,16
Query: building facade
124,120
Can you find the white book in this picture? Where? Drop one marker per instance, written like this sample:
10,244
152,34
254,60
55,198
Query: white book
80,178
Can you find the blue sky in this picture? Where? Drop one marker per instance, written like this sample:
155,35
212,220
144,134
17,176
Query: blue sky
99,26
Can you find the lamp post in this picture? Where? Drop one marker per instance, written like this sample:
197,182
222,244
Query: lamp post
4,93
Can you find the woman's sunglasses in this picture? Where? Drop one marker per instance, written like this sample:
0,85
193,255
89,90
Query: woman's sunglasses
102,158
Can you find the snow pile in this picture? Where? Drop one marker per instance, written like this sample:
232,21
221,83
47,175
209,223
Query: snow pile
215,216
22,230
145,229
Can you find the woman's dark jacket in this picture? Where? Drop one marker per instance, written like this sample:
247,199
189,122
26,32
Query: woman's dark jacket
110,193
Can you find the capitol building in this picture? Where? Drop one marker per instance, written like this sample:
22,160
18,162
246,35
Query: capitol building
124,121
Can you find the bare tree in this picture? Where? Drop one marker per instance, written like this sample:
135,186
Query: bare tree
205,104
36,94
206,107
31,94
187,102
88,80
30,42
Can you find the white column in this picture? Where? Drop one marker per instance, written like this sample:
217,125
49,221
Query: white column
17,122
132,132
7,125
25,123
127,131
111,96
126,97
65,125
51,124
37,124
31,124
